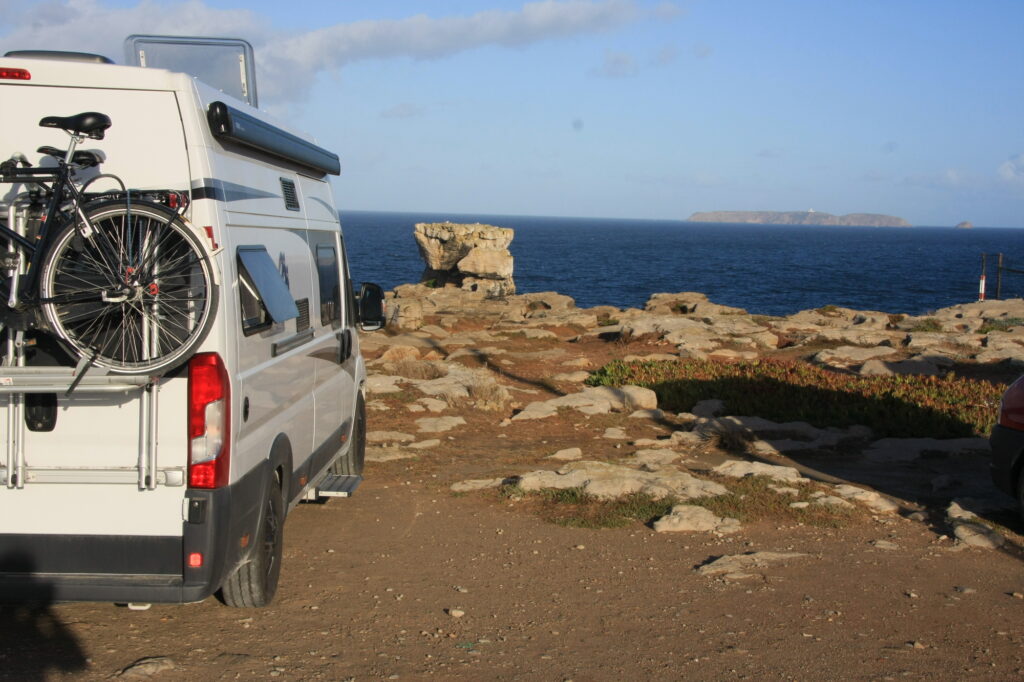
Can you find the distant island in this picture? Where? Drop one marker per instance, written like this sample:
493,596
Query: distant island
798,218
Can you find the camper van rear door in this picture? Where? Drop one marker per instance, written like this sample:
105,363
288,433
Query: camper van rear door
270,286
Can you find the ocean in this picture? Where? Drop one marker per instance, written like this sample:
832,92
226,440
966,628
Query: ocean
766,269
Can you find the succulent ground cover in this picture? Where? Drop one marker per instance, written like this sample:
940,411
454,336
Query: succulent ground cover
896,406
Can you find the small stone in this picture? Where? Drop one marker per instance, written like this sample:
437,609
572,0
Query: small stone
147,667
580,547
917,645
885,544
456,613
964,590
1017,595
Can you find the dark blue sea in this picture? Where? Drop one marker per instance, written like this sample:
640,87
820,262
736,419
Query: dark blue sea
767,269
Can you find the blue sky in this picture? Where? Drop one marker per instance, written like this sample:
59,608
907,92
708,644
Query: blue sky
625,108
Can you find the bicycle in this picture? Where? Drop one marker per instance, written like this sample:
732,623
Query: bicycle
117,277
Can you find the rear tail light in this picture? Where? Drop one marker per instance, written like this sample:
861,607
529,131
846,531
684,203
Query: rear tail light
15,74
209,420
1011,409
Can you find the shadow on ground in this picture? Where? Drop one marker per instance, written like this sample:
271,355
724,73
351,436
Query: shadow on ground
37,644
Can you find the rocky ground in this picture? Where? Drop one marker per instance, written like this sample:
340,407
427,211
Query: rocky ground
788,550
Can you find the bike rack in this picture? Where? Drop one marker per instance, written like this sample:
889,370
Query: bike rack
17,380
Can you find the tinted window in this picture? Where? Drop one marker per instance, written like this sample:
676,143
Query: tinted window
330,289
264,296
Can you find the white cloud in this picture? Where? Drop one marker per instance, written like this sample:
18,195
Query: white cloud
1012,170
288,62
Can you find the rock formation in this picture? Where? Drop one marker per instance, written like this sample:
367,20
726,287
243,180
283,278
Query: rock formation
965,225
473,257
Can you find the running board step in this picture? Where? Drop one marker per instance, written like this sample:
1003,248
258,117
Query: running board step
338,486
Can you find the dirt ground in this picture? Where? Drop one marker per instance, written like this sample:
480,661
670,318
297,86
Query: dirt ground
409,581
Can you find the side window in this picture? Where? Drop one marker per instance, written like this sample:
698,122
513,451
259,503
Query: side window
263,294
330,288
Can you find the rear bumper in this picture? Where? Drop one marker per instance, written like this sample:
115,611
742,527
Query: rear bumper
1007,446
45,567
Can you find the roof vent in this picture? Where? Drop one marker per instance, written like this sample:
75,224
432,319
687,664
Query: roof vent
56,55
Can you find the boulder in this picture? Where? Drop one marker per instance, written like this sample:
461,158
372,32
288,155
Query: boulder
689,517
474,256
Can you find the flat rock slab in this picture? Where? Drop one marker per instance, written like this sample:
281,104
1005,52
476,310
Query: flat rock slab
381,383
379,454
568,455
593,400
869,498
389,437
742,469
476,484
909,449
656,456
610,481
689,517
852,355
740,566
438,424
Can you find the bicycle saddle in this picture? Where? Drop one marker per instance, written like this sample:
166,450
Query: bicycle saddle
89,123
86,158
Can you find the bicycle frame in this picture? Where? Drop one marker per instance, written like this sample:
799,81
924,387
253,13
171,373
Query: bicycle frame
60,177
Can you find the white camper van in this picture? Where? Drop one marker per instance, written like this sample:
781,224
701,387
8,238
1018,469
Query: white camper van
137,466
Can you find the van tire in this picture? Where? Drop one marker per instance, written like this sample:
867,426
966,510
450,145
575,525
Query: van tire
351,463
253,583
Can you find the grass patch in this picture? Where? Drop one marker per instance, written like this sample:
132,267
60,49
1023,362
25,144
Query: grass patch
574,508
763,320
895,406
419,369
828,310
750,500
1000,325
928,324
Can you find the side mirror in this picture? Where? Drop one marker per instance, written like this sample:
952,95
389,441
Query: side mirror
372,310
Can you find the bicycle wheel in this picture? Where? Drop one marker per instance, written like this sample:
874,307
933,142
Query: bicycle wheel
138,294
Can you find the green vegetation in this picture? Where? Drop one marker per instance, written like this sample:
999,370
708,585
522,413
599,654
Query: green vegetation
750,499
928,324
1001,325
897,406
574,508
827,310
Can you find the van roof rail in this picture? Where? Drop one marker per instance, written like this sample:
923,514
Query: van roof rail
58,55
